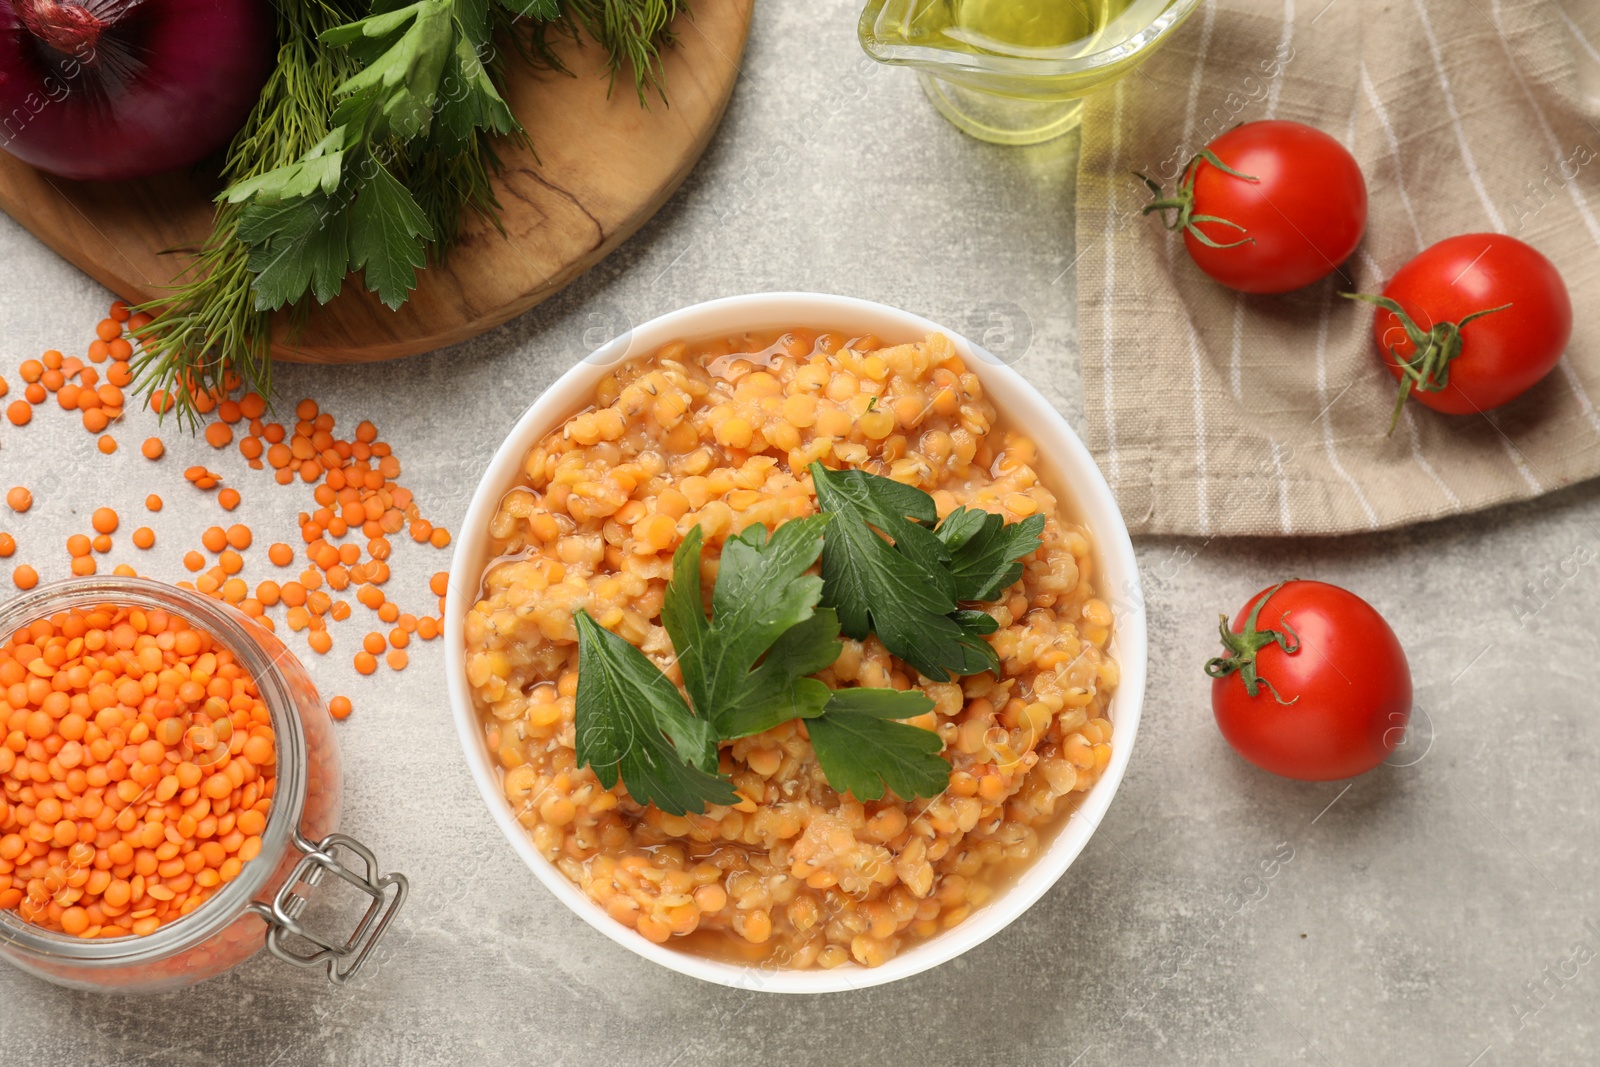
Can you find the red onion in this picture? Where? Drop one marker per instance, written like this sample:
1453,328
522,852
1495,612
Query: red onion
114,89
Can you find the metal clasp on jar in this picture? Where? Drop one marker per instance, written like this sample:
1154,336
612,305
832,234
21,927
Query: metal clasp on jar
283,916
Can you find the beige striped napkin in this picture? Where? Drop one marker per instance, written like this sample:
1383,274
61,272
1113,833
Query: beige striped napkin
1215,413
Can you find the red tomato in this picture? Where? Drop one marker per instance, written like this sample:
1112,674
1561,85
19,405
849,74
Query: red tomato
1485,317
1314,686
1292,211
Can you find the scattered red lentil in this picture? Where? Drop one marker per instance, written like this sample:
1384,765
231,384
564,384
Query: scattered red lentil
353,484
339,707
19,499
8,545
202,478
25,577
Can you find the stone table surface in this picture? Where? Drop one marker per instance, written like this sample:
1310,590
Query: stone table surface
1443,910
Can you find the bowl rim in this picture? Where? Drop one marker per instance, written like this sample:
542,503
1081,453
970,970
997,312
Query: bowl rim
1072,469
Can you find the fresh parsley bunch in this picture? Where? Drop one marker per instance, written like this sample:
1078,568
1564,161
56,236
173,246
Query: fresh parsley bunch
339,207
374,136
747,668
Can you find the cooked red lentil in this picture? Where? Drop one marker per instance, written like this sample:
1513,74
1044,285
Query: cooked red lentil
720,434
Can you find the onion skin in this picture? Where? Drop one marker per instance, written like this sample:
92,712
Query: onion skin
109,90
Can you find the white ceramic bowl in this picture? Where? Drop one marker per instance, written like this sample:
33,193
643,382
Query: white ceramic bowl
1067,466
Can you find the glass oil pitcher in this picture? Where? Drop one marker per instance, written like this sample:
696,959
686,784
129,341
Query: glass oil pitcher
1015,71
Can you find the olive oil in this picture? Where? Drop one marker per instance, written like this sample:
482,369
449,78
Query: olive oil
1014,71
1030,28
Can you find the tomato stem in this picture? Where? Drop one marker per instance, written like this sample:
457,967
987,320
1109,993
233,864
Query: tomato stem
1244,647
1427,370
1182,201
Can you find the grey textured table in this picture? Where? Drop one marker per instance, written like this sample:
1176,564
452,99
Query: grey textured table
1422,907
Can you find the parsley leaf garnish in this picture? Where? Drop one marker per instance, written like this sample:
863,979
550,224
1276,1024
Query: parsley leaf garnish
900,591
887,567
862,749
985,552
763,604
626,711
905,589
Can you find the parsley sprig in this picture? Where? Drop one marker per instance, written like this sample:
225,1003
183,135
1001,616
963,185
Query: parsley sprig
891,568
746,669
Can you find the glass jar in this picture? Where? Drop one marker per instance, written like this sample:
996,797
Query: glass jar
300,846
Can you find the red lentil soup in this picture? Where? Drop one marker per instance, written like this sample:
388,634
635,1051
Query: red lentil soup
720,433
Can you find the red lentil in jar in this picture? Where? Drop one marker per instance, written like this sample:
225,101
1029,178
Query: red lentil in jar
720,434
138,770
162,757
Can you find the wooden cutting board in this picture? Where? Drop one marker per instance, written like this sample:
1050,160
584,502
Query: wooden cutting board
603,166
